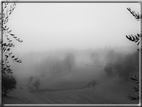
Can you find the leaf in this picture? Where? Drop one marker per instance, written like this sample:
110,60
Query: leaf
133,97
4,69
137,82
139,49
19,61
8,66
136,76
13,56
7,28
136,88
9,31
129,9
6,56
4,44
138,43
8,49
12,34
137,38
138,35
134,79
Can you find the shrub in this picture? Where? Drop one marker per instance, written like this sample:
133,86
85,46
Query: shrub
8,84
108,68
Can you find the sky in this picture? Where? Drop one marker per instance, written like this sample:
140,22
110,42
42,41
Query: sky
49,26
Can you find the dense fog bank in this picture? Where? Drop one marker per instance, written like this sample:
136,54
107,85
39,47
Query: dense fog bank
59,68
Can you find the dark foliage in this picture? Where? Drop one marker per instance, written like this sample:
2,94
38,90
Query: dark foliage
135,96
108,68
8,83
69,60
137,39
126,66
136,15
7,45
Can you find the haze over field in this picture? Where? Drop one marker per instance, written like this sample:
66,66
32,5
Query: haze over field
73,53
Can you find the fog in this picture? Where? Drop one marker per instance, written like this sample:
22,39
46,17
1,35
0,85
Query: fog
72,25
69,46
56,70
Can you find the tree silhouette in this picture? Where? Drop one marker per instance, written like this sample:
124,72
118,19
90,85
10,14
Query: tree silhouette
9,84
36,84
69,60
137,39
7,44
30,79
108,69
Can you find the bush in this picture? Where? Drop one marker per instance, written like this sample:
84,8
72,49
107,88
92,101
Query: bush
108,68
8,84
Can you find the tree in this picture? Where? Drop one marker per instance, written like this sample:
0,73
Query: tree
137,39
8,83
58,66
119,63
30,79
95,58
36,84
7,45
69,60
108,68
53,65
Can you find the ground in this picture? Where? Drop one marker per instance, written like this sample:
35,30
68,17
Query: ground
71,88
101,94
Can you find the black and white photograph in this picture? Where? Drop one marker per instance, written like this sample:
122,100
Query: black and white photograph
83,53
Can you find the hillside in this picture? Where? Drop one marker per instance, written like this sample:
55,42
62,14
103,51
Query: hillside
112,93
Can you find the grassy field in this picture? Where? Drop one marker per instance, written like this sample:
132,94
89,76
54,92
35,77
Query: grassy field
74,96
71,88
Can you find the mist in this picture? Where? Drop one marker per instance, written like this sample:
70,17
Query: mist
52,67
77,52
